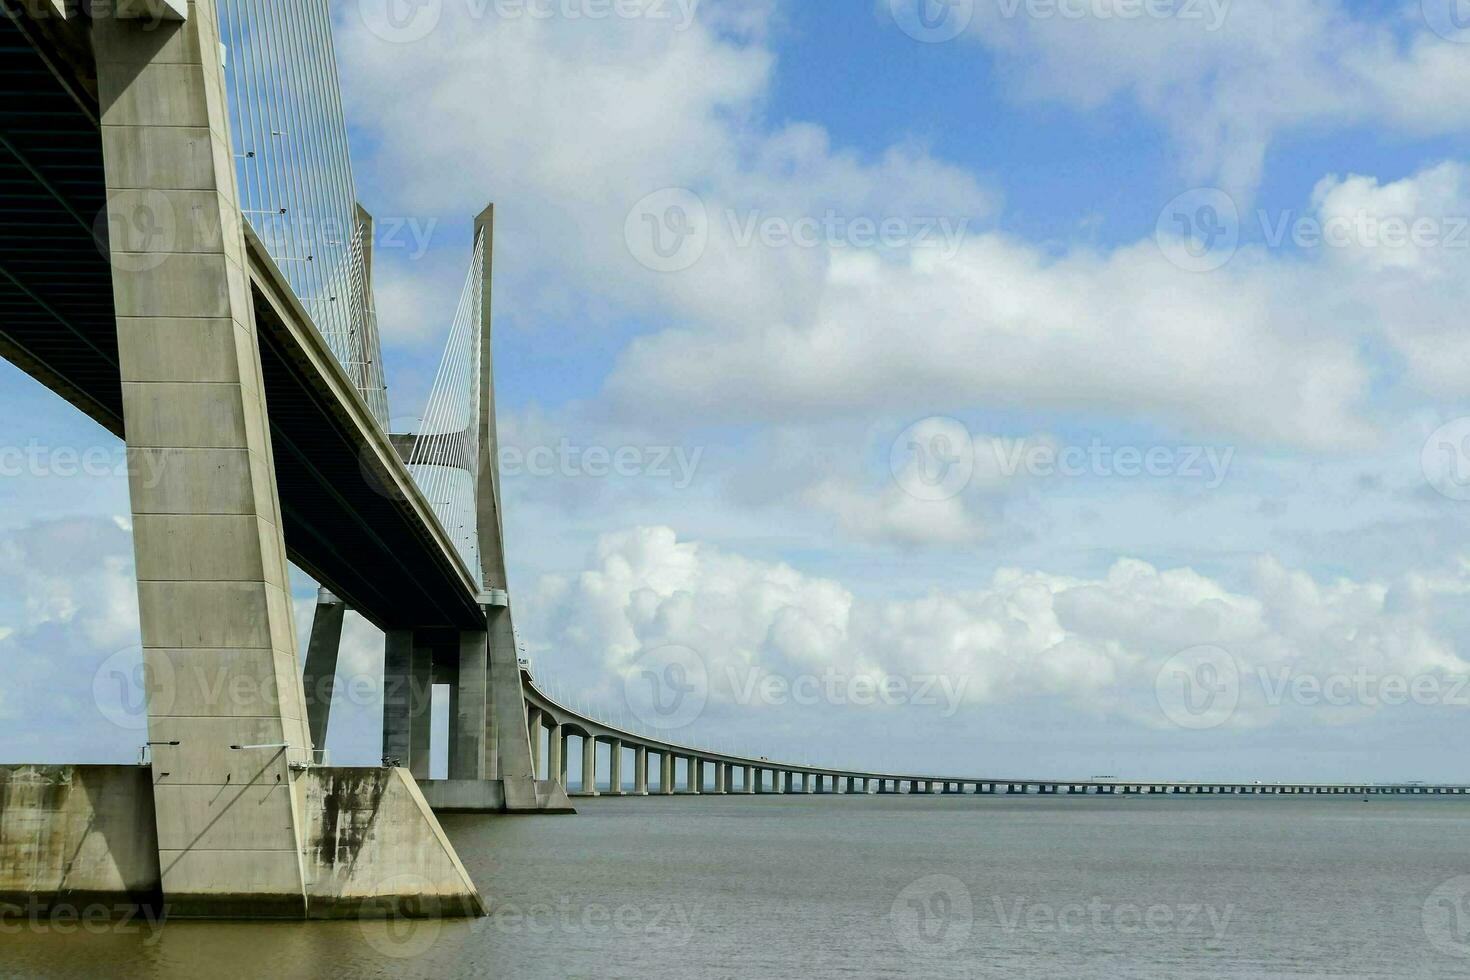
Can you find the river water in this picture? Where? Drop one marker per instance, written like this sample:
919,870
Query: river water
831,887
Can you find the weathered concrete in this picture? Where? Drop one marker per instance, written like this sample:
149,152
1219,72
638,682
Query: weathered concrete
374,847
89,834
213,592
79,834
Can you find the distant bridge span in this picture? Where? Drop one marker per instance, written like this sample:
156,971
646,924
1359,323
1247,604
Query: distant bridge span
691,770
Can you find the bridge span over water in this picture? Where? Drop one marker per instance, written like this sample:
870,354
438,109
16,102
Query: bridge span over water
183,258
694,771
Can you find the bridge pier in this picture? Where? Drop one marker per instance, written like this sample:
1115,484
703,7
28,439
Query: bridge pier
589,766
666,773
556,763
747,785
694,778
614,767
533,728
640,770
320,680
235,803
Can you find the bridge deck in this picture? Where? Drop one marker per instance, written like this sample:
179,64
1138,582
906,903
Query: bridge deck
352,516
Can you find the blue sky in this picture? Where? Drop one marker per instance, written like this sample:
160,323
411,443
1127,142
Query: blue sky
1062,319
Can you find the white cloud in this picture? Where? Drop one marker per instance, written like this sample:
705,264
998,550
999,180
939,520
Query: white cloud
1098,644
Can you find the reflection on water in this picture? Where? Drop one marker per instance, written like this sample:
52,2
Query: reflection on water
822,887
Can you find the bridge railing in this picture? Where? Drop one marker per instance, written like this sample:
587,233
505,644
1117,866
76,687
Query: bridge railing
295,173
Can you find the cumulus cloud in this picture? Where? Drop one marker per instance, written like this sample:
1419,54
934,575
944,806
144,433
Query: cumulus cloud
1097,644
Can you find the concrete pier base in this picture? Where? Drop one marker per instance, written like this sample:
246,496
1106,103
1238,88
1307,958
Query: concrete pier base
371,847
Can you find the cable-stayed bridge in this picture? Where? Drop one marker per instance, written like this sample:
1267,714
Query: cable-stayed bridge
184,259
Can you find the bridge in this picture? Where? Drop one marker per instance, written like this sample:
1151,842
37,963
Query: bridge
167,268
694,771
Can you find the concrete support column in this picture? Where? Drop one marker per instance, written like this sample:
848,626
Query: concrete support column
470,717
749,786
589,766
806,782
695,775
615,767
214,597
533,729
640,770
556,763
666,774
320,680
397,697
421,720
722,778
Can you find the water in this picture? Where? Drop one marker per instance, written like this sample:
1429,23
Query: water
830,887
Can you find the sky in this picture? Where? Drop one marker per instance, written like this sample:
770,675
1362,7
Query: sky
1048,388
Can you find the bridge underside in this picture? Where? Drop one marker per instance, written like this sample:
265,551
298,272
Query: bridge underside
346,518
